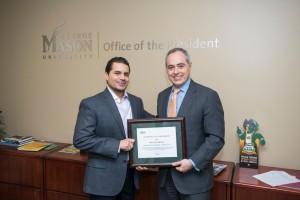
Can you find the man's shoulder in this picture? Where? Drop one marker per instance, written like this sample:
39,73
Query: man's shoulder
201,87
134,97
96,97
167,90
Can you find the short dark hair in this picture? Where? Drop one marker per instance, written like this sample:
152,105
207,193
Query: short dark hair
117,60
186,54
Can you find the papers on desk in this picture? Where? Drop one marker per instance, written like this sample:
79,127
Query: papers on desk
34,146
276,178
218,167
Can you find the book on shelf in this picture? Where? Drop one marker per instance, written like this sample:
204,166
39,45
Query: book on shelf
16,140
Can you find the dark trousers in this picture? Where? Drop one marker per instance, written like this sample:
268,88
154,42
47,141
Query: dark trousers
169,192
127,192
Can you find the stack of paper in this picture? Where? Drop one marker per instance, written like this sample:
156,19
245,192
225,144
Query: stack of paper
276,178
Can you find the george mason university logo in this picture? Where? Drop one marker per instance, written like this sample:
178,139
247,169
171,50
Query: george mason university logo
62,45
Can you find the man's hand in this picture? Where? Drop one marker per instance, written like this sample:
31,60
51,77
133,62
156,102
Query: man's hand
140,168
183,166
126,144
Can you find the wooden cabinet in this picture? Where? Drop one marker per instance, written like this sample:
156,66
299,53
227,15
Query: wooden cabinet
222,184
149,187
64,174
13,192
21,174
246,187
52,175
221,191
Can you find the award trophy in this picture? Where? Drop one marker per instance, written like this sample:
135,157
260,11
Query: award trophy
249,144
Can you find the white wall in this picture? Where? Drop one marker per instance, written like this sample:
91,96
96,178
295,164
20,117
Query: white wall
255,68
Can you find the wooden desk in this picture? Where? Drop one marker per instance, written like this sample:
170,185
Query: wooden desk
245,187
64,176
21,174
221,191
149,187
222,187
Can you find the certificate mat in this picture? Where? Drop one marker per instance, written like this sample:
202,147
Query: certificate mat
158,141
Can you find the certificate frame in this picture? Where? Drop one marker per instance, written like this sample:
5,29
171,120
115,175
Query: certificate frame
158,141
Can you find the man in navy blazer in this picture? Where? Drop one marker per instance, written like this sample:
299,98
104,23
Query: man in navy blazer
191,178
101,130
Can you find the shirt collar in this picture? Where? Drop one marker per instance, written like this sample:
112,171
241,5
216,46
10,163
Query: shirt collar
115,97
184,87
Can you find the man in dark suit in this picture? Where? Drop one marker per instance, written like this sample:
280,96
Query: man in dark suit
101,130
191,178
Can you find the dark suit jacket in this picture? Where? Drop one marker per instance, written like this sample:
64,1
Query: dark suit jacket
204,118
98,131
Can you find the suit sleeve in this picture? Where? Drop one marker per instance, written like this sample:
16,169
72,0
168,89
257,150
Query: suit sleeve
85,138
148,115
214,130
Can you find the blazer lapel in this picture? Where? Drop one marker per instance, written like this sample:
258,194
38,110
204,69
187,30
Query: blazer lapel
114,110
164,106
133,106
188,100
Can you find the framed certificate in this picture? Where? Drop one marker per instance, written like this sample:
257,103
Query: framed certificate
158,141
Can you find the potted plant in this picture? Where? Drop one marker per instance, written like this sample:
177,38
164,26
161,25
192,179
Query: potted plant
2,126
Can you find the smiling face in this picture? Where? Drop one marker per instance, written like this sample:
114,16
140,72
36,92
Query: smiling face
178,69
118,78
